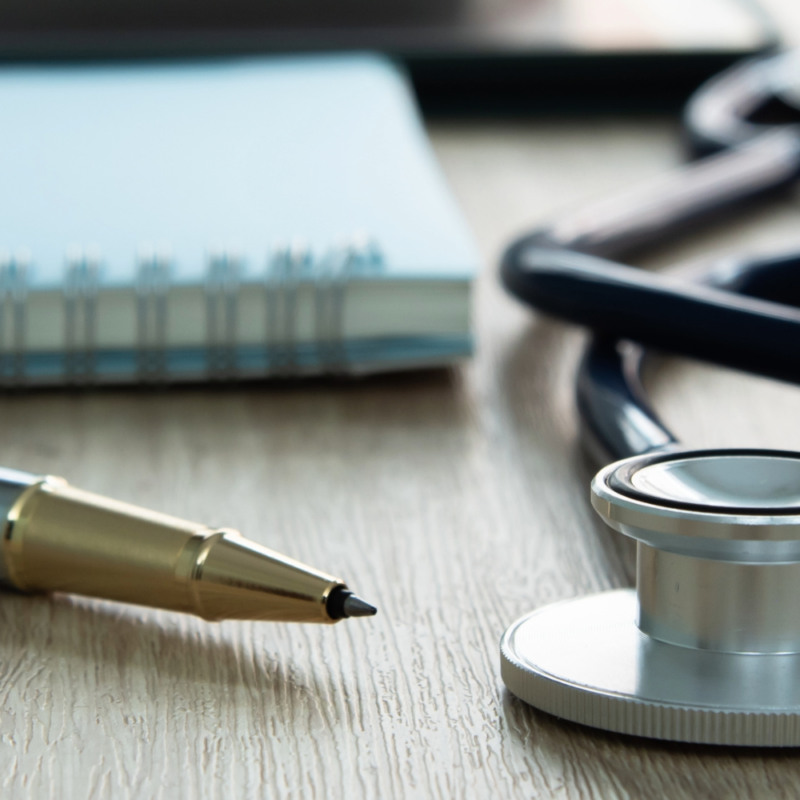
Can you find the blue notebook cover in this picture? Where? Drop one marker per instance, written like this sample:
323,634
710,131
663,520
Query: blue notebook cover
223,219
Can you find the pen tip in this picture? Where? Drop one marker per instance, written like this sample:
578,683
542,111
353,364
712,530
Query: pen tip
342,603
356,607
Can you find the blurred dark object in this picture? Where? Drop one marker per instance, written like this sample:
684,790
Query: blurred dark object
741,103
464,56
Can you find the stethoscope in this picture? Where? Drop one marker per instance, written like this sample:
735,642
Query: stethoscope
707,647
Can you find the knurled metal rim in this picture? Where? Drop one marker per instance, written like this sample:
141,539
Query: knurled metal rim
640,716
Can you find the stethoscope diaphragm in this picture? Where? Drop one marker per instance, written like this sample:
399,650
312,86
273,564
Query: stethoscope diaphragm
707,647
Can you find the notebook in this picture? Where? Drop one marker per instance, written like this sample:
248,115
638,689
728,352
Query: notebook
223,219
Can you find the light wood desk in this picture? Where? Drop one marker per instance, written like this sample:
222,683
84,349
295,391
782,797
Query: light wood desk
455,501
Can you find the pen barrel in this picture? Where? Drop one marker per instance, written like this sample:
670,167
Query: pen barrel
61,539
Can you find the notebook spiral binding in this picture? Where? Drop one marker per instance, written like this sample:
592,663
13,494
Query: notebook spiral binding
288,269
13,291
222,299
80,314
152,288
330,297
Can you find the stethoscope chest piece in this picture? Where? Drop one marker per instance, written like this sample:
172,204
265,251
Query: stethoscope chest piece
707,647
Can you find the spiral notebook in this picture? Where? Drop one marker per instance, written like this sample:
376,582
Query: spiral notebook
224,219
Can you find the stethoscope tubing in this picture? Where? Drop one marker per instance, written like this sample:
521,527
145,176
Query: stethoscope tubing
617,419
661,312
739,314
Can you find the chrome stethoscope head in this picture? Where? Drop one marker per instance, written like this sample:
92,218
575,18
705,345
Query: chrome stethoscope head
718,545
706,648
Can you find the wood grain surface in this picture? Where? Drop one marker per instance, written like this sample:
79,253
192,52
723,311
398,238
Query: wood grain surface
455,500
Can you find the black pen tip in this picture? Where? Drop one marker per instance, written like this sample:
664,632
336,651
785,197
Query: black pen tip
356,607
342,603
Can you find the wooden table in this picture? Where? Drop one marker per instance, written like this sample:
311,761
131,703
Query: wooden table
456,501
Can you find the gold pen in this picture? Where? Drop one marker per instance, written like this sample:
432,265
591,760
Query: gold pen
57,538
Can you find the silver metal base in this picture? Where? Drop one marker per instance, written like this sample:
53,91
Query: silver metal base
585,660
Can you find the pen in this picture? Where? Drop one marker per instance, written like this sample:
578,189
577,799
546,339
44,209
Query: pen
56,538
